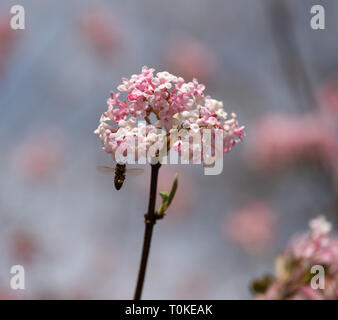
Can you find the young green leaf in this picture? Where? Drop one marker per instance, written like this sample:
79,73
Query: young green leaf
173,190
164,195
167,198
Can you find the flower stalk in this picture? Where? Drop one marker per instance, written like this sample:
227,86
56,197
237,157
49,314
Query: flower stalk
150,220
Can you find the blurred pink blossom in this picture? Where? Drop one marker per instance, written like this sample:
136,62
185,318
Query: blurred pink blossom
316,247
102,31
23,247
328,103
5,294
190,58
7,40
252,227
293,274
195,285
281,140
328,97
38,157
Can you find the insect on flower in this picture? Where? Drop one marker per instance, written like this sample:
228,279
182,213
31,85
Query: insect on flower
120,173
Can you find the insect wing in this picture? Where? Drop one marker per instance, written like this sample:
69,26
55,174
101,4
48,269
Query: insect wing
134,171
105,169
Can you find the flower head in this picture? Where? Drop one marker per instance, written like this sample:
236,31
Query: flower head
166,103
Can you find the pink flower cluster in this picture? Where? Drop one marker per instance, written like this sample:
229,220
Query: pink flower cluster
293,267
165,103
316,247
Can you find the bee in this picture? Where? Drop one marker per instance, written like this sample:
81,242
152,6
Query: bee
120,173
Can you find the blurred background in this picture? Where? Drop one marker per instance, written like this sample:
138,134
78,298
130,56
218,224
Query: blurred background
79,238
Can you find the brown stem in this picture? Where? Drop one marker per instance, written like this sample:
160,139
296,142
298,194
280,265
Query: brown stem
150,220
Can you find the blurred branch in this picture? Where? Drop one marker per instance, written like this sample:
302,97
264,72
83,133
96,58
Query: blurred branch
284,35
